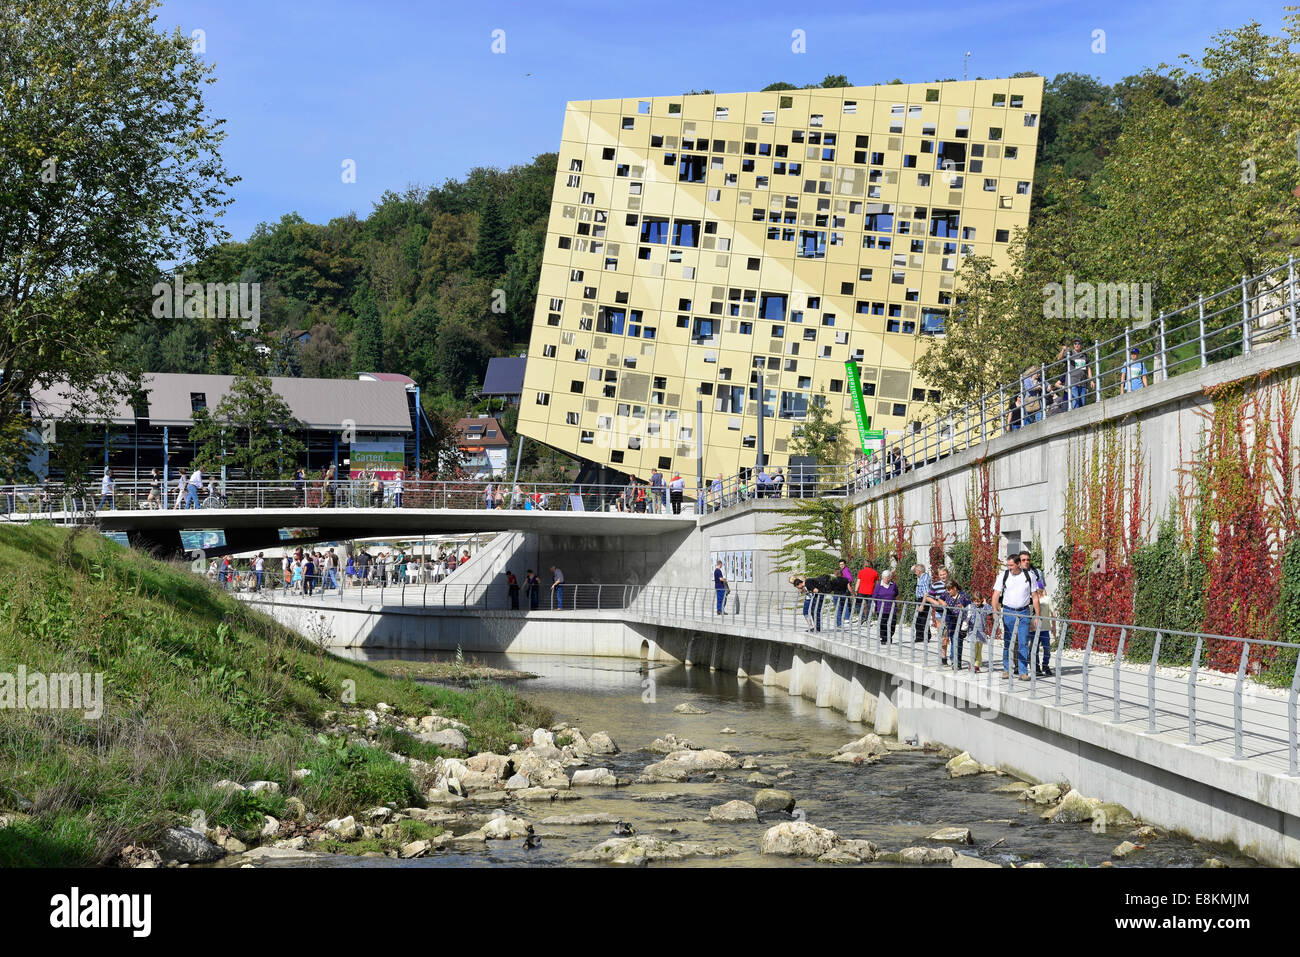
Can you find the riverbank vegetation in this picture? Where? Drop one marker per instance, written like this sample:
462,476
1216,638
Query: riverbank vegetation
197,689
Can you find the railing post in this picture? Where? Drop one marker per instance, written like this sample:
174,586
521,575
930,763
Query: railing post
1290,266
1245,318
1200,311
1060,655
1002,407
1087,657
599,588
1293,745
1191,692
1164,358
1119,657
1096,365
1236,701
1151,686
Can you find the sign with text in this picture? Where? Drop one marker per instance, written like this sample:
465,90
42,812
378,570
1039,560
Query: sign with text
386,457
860,408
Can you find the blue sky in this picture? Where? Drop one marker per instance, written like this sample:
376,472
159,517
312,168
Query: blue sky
413,93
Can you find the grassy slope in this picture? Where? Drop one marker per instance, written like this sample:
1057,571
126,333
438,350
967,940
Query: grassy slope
197,688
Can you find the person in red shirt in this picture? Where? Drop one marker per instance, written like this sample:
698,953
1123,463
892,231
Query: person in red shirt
867,579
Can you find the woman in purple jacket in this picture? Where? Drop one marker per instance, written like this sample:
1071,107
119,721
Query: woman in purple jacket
884,594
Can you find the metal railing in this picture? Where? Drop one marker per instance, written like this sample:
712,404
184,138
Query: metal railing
33,501
1251,314
1228,711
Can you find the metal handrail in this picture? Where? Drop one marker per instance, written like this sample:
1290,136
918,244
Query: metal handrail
1258,723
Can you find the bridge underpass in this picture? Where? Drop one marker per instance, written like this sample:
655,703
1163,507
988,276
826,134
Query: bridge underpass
253,529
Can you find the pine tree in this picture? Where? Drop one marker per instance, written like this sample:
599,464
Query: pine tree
369,350
493,241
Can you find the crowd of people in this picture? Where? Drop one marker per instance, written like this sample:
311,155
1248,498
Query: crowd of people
1017,608
308,571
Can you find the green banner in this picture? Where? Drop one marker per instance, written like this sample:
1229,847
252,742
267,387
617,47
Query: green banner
859,407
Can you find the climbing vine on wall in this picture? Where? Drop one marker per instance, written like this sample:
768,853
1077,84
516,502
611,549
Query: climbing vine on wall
983,528
1105,519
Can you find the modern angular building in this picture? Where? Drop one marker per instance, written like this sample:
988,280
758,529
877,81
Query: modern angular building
698,241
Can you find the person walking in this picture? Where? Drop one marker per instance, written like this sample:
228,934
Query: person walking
867,579
978,613
1078,376
920,623
192,488
677,486
1135,373
658,493
885,594
154,499
105,491
557,586
299,488
1044,630
397,490
720,588
843,595
259,571
512,589
1013,598
533,585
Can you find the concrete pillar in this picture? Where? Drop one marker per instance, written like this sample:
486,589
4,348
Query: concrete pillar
746,652
713,657
769,673
887,707
824,677
857,696
796,674
687,660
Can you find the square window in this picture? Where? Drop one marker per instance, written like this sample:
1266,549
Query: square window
629,122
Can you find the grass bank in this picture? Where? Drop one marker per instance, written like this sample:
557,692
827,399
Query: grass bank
197,688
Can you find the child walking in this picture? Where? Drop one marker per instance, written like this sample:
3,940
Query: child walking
954,615
977,625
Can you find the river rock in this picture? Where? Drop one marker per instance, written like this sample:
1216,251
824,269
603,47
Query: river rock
577,743
687,708
301,774
963,765
538,794
1015,787
595,777
1109,814
1213,862
543,738
926,855
867,744
1124,849
670,743
727,731
1146,833
785,775
1042,794
188,846
414,849
257,787
294,809
232,845
760,779
344,828
436,722
798,839
969,860
769,800
444,798
446,738
849,757
679,765
518,782
642,849
501,828
501,765
734,811
541,771
229,787
602,743
378,814
292,844
1035,864
579,819
954,835
265,853
270,827
1074,808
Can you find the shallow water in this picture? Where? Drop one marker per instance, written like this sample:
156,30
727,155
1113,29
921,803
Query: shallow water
895,803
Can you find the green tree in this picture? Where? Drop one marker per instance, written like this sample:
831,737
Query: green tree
493,242
182,350
111,166
821,435
252,431
812,537
368,355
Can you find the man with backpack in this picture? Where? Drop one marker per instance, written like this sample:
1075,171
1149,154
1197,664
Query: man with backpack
1015,599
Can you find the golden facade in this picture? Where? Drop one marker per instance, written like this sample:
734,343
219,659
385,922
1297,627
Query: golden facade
696,242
